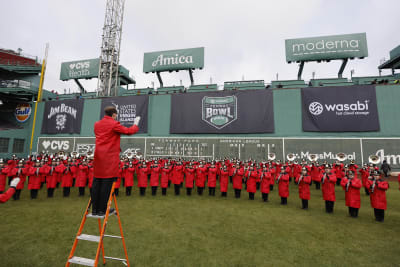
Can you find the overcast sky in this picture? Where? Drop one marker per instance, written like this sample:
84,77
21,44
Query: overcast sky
242,39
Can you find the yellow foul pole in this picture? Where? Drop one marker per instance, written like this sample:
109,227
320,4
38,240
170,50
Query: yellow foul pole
39,97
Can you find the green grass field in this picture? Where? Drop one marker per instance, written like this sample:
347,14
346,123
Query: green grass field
205,231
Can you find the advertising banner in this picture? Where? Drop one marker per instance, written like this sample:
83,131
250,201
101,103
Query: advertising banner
191,58
327,47
81,69
64,116
340,109
248,111
128,108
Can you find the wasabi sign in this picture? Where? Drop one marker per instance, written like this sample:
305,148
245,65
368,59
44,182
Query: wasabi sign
327,47
191,58
82,69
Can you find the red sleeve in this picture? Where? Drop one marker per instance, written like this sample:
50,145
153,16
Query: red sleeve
383,185
6,196
118,128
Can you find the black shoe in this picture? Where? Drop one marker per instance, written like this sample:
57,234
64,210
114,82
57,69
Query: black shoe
94,213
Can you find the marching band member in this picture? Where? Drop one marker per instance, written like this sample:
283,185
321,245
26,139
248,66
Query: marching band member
339,171
90,175
365,171
66,177
81,178
35,177
129,173
328,188
51,179
117,182
3,176
304,181
21,172
212,179
266,180
154,178
142,172
352,185
316,175
7,195
251,177
377,187
189,178
238,180
177,177
224,181
165,171
283,186
200,178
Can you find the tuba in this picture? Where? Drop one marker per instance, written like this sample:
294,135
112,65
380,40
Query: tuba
312,157
74,154
374,159
90,154
271,156
290,157
341,156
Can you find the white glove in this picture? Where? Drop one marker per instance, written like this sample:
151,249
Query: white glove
136,120
14,182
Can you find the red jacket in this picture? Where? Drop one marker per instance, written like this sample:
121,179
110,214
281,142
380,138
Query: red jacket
165,176
251,177
66,174
378,197
34,178
201,176
51,178
3,178
316,173
212,177
21,173
352,196
224,180
155,176
189,174
237,178
7,195
83,173
266,181
283,185
142,176
106,154
177,174
129,173
328,187
304,186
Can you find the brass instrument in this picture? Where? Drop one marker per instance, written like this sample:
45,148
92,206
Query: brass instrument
74,154
301,178
90,155
271,156
341,156
374,159
312,157
290,157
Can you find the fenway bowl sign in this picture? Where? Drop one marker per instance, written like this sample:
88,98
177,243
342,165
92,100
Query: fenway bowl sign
23,112
219,111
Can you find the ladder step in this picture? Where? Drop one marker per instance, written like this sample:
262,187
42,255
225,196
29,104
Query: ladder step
113,236
81,261
93,238
89,215
117,259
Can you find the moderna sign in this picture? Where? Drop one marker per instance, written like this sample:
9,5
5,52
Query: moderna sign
327,47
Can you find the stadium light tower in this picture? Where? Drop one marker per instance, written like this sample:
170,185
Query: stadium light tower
110,49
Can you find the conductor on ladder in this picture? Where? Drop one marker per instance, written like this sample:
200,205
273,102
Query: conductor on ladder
106,156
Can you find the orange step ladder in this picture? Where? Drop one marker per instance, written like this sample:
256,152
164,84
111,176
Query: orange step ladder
98,239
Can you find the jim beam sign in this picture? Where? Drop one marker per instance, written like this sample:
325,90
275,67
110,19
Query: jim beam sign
219,111
63,116
183,59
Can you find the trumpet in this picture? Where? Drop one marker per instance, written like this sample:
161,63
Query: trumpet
290,157
75,154
90,155
129,155
374,159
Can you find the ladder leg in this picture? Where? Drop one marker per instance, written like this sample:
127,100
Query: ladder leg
104,225
71,254
102,244
120,228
